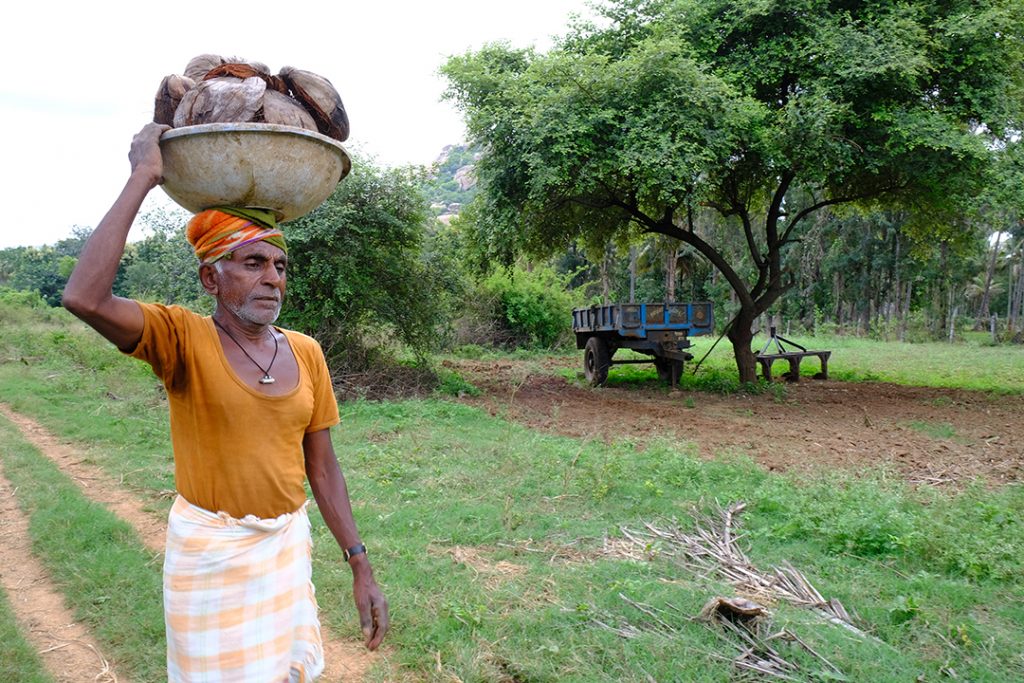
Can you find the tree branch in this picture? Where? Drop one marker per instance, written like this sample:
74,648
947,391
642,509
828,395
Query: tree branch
831,202
705,249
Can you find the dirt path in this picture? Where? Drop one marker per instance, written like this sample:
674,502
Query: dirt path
65,646
93,481
346,660
927,436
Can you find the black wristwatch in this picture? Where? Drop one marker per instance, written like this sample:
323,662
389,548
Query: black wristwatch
354,550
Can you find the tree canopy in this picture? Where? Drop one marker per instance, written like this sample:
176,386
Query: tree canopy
764,111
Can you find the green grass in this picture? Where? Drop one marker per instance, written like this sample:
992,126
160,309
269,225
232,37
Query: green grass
937,578
434,475
942,430
18,660
973,365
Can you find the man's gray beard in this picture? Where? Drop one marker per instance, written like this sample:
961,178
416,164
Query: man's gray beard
257,317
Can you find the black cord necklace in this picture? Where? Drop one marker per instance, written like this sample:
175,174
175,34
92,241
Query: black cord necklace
266,378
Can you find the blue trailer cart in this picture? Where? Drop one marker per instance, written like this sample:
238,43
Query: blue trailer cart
659,330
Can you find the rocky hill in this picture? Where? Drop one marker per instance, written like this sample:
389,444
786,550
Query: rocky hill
452,182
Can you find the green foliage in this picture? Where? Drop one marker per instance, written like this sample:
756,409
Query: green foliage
14,300
44,269
356,272
162,267
764,112
452,384
533,306
35,270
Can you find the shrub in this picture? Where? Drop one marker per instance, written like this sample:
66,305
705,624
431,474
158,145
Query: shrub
524,308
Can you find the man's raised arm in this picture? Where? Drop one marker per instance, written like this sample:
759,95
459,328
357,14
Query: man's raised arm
89,291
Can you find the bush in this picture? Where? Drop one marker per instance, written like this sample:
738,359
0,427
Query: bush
520,308
357,280
22,298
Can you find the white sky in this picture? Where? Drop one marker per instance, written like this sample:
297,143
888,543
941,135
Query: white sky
79,80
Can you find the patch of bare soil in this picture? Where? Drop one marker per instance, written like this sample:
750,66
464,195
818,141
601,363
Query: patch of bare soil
927,436
66,648
345,659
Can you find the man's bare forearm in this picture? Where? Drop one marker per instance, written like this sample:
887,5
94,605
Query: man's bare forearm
328,484
89,291
331,494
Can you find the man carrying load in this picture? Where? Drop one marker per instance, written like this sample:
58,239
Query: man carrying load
251,406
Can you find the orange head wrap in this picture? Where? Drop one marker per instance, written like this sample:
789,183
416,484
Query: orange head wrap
215,233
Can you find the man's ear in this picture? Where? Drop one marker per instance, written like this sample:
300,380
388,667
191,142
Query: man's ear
208,278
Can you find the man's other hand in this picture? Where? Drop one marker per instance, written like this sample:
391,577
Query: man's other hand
371,603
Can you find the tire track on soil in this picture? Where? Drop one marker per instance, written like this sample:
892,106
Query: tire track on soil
346,659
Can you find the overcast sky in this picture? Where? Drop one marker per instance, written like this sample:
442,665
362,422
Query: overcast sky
79,80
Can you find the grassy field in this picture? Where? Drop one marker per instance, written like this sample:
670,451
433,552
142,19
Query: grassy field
973,364
502,550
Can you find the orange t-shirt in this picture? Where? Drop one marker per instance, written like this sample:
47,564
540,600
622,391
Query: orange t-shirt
235,450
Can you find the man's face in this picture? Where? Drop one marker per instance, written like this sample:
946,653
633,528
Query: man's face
251,282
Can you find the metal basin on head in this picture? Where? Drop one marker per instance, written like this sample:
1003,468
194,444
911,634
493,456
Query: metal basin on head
287,170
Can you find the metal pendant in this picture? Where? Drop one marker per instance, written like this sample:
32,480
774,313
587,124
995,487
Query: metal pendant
267,379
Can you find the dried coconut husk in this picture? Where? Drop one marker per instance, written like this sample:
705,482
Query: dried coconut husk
221,100
732,609
168,96
285,111
320,99
183,114
248,70
201,65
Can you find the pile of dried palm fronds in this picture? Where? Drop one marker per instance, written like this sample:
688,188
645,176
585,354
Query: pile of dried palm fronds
743,624
218,90
711,549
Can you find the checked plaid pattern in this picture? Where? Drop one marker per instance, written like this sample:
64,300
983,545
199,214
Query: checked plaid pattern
239,605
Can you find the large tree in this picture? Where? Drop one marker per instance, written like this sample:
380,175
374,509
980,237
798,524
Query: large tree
666,107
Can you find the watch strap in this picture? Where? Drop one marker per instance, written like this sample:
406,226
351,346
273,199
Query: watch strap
359,549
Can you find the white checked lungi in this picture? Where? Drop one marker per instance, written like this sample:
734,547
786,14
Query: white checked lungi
239,605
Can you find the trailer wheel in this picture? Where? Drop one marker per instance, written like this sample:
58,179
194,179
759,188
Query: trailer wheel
596,361
669,371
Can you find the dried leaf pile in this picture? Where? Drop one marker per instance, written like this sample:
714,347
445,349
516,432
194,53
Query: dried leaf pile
218,90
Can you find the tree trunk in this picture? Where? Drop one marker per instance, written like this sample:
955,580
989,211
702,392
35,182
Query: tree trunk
741,335
1018,298
837,296
670,272
989,274
1010,293
942,290
606,285
905,311
896,281
632,275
